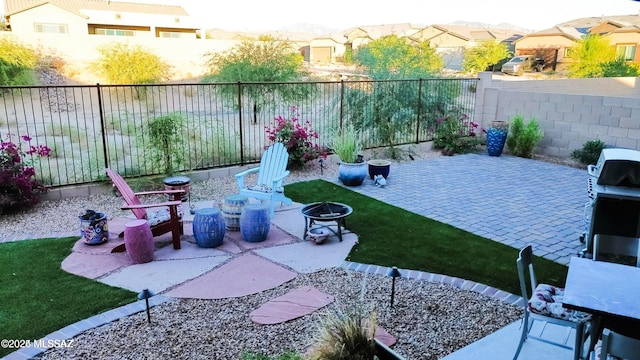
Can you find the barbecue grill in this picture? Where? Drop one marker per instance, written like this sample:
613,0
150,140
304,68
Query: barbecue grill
613,188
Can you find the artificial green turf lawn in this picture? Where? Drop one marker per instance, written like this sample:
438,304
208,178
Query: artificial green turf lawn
391,236
37,297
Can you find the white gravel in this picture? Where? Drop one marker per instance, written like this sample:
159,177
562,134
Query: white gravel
429,320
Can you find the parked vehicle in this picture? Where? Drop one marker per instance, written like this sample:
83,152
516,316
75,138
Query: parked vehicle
519,64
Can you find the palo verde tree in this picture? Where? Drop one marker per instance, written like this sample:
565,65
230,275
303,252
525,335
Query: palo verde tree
386,110
488,52
267,61
17,63
594,56
121,63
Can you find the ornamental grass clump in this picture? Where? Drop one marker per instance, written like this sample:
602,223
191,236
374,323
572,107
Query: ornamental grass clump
346,144
19,188
345,333
299,138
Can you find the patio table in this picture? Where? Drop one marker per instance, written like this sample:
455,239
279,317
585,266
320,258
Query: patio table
609,291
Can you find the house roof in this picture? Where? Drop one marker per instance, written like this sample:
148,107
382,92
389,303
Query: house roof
590,22
469,33
76,6
378,31
566,31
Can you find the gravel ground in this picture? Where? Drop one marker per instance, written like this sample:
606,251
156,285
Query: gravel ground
427,319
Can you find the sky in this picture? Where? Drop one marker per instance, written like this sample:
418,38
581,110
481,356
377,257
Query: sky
264,15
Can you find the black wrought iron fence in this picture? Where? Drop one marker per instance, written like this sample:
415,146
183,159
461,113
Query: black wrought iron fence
90,127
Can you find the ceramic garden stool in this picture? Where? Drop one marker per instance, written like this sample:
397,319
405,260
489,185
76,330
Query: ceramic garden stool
255,223
208,227
138,241
232,209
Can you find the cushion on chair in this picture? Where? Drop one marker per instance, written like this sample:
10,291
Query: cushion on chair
159,216
547,301
260,187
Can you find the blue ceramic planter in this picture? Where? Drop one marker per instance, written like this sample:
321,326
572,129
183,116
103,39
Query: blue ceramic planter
496,138
255,223
352,174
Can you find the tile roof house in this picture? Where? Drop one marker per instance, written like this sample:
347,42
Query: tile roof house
330,48
554,44
451,41
99,17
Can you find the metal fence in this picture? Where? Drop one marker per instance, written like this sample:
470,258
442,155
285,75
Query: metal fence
90,127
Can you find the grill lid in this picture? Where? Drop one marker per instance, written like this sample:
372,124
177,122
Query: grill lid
618,167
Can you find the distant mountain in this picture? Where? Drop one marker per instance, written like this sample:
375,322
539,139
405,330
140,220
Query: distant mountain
306,28
505,26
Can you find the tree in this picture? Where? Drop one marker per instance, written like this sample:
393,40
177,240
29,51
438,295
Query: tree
589,55
17,63
487,53
266,60
394,58
130,64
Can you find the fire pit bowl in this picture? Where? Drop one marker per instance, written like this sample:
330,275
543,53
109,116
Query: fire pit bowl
324,212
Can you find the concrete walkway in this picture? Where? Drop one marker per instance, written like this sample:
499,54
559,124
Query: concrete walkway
511,200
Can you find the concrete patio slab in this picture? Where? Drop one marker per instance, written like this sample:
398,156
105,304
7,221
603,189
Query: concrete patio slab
292,305
94,266
308,257
161,275
244,275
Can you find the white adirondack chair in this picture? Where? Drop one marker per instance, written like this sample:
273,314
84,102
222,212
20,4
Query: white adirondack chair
272,170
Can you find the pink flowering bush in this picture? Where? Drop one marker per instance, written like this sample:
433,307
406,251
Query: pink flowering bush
19,188
298,137
455,134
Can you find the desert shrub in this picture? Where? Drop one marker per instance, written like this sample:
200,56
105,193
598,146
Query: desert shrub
165,137
455,134
130,64
297,136
522,139
19,188
590,152
17,62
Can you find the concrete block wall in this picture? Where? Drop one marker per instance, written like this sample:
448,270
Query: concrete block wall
567,118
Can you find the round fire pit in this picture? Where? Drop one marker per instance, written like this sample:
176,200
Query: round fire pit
325,211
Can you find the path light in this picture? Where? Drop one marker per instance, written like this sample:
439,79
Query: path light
146,294
322,161
394,273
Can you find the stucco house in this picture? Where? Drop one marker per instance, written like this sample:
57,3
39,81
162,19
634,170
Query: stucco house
451,41
330,48
554,44
98,17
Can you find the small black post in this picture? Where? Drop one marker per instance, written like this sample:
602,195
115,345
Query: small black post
146,294
394,273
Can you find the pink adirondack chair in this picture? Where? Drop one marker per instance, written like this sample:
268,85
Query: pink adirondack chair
167,217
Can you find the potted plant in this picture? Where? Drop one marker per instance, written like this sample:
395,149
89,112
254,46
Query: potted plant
379,167
496,137
346,145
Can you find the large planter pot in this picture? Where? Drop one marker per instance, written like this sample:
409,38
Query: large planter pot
352,174
379,167
255,223
496,137
209,227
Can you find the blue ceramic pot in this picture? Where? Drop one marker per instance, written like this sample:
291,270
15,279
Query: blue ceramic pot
352,174
496,137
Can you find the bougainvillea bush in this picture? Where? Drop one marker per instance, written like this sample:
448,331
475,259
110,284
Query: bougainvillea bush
299,138
19,188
